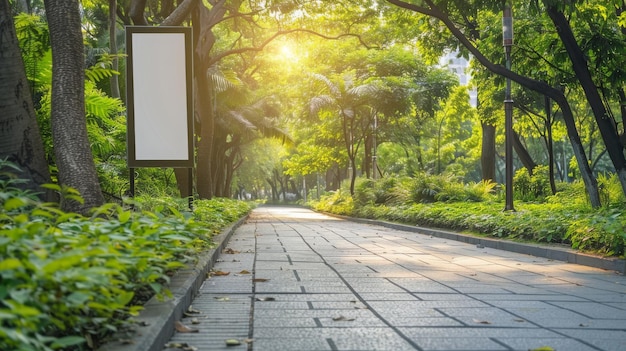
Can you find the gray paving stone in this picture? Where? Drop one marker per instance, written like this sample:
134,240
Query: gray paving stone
339,285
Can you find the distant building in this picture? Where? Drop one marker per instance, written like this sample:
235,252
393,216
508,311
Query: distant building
460,67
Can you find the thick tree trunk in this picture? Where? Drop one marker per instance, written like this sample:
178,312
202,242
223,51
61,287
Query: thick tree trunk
69,127
579,63
205,103
488,152
20,141
136,13
182,181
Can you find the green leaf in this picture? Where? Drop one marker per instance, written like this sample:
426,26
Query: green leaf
78,298
10,263
67,341
14,203
124,298
124,216
22,310
63,263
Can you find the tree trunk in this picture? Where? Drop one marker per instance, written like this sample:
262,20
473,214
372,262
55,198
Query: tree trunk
182,181
20,141
205,103
579,63
550,144
115,84
367,157
488,152
137,8
69,127
523,154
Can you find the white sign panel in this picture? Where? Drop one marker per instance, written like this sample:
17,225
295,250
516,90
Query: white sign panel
160,124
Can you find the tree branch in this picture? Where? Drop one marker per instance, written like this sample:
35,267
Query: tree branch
180,13
221,55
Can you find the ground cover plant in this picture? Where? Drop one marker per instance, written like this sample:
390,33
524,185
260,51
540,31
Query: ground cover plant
477,208
68,281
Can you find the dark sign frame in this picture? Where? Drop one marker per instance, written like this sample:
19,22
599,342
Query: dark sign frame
159,97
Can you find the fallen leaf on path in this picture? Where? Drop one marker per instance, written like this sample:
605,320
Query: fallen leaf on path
181,328
265,299
219,273
190,309
542,348
342,318
244,272
228,250
481,321
519,320
232,342
260,280
180,345
222,298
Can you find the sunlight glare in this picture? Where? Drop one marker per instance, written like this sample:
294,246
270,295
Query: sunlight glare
287,54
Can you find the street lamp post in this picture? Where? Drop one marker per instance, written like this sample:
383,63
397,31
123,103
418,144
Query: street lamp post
507,41
374,161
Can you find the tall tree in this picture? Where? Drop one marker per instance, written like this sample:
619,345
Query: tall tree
20,140
432,9
73,154
580,60
350,103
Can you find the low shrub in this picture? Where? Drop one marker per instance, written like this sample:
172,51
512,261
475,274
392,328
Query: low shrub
565,218
338,202
68,281
602,232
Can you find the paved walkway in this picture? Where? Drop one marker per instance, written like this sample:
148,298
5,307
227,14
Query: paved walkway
298,280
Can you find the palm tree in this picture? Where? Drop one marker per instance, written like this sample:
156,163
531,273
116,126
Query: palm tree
354,106
237,120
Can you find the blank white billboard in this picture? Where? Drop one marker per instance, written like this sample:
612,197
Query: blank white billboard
159,97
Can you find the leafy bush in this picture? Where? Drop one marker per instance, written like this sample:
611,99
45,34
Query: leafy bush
531,188
388,190
364,192
565,218
602,232
338,202
610,190
68,281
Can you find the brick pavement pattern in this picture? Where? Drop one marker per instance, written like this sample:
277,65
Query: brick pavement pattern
299,280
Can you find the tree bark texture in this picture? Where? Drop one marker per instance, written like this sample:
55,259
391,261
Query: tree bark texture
72,150
20,140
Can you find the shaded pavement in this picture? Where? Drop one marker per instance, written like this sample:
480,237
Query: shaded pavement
293,279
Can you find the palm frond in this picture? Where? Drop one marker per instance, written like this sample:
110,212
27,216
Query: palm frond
320,102
223,80
332,87
239,118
